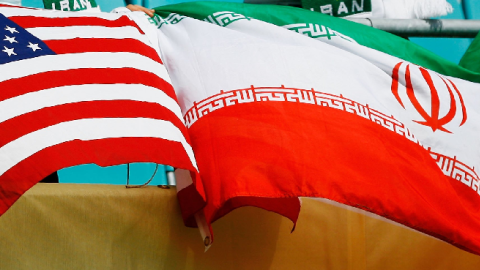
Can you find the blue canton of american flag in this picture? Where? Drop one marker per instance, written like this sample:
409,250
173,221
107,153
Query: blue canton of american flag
18,44
79,88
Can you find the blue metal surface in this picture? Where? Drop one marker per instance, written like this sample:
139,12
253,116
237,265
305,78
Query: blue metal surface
471,9
140,173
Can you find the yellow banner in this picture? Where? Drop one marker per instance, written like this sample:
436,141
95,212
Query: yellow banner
74,226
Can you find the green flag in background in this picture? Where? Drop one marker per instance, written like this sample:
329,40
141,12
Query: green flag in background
471,58
320,26
70,5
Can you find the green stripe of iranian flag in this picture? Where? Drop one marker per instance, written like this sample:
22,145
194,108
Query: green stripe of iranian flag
471,58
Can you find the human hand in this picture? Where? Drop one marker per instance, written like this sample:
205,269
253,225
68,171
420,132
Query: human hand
149,12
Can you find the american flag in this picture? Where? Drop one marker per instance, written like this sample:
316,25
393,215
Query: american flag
78,88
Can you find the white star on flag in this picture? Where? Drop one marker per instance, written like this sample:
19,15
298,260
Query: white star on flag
69,70
10,39
11,29
9,51
33,46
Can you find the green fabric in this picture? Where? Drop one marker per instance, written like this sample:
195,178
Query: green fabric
73,5
471,58
364,35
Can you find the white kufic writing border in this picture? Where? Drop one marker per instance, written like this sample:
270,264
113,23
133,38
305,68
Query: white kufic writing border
449,166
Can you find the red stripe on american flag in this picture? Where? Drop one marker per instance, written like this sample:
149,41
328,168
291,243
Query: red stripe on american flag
30,122
104,152
79,45
28,22
9,6
33,83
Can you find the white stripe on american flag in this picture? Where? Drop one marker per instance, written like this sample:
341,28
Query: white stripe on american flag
89,129
110,127
33,101
70,32
46,63
13,11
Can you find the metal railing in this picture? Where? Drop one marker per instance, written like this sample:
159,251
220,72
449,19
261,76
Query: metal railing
424,28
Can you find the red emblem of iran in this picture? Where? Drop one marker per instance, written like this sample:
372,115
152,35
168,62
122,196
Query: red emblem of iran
443,108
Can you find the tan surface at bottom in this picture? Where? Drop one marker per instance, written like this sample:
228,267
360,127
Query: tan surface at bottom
68,226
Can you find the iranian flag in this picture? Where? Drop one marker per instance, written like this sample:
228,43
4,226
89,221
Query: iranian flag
471,56
282,103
